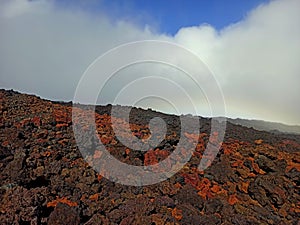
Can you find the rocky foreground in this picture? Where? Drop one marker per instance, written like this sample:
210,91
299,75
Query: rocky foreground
254,179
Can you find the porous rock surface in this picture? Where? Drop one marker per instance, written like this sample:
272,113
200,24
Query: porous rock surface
44,179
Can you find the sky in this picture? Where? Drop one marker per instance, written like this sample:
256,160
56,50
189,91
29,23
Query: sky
251,47
169,16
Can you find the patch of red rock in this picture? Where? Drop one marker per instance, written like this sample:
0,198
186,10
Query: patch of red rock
44,179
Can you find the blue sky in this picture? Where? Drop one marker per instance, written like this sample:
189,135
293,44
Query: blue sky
168,16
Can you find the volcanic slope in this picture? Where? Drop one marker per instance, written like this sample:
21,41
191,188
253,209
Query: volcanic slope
44,179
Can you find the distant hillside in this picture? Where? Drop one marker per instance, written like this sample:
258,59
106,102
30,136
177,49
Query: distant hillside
266,126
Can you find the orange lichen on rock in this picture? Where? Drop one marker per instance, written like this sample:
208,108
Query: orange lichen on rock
238,163
192,179
200,147
83,197
36,121
177,214
61,125
258,142
46,153
5,143
251,175
127,151
94,197
244,186
293,160
204,189
256,167
203,186
231,147
297,209
62,115
292,165
177,185
215,188
150,158
63,200
232,199
99,177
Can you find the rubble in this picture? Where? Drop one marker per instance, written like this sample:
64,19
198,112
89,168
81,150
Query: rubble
44,179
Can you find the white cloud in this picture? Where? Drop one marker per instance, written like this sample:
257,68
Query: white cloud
256,60
45,50
15,8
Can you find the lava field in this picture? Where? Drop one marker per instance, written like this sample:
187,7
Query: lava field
44,179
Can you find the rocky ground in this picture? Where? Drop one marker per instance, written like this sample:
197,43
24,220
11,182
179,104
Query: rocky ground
44,179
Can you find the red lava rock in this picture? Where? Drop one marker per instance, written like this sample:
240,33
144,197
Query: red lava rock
192,179
44,178
150,158
177,214
232,199
204,189
61,125
63,200
36,121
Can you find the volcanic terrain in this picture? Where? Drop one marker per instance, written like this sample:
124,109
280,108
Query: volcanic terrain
44,179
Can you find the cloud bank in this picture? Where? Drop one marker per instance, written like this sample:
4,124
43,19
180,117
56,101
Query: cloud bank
44,49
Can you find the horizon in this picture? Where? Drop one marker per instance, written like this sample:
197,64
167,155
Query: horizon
250,48
155,110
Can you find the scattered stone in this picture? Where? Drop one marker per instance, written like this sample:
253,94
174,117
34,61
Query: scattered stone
64,214
44,178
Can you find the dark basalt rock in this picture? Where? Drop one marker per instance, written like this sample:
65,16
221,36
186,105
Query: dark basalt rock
64,214
44,179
